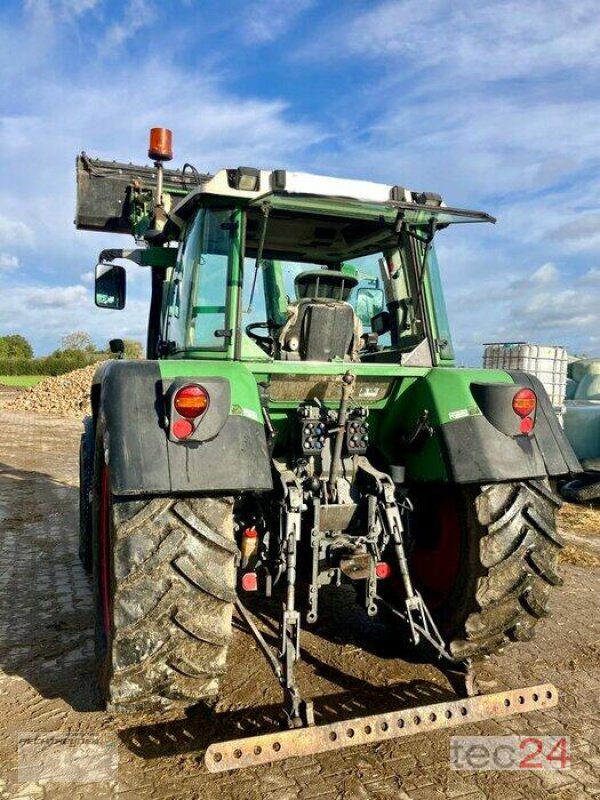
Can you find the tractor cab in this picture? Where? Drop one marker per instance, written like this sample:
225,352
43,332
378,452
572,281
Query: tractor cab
252,264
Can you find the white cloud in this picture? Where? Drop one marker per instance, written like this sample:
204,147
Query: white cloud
266,20
8,262
138,14
542,306
592,276
55,296
78,7
581,232
494,41
46,313
544,275
14,232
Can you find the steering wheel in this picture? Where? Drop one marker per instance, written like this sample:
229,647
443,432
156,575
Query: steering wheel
264,342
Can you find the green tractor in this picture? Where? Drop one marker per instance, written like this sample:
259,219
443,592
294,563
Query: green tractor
299,422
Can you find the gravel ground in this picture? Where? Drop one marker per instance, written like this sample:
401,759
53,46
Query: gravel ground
47,682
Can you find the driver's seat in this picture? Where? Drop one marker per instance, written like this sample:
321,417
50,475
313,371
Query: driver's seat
321,324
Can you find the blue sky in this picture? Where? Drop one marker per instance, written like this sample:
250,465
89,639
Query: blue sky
493,105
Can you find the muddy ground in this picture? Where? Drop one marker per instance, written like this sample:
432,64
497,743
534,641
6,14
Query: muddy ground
47,675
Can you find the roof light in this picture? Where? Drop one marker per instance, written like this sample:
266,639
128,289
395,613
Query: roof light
161,144
246,179
524,402
191,401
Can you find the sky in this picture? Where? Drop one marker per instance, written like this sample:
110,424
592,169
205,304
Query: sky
493,105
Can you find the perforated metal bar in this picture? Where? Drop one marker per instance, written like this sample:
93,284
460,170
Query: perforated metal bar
251,751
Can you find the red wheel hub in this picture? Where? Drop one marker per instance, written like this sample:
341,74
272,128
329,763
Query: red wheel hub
435,564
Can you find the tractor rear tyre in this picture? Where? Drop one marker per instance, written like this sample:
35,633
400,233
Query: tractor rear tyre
164,578
486,565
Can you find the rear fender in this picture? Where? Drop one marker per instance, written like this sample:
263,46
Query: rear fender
133,407
473,437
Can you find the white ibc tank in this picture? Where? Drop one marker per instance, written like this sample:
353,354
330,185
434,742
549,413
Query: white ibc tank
548,363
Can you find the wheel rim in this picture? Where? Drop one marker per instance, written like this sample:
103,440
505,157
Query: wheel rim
104,571
435,564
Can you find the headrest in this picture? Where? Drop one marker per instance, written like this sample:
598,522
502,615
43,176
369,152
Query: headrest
324,284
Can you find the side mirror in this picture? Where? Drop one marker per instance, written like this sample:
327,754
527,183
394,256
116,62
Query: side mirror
110,286
381,323
369,303
117,347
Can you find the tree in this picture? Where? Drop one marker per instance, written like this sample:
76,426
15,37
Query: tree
77,342
133,348
15,346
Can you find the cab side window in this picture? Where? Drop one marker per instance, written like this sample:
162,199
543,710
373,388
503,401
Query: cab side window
198,293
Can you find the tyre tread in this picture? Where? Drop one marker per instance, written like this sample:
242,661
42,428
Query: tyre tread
519,547
173,590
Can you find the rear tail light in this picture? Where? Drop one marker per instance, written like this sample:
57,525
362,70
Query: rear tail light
524,405
383,570
524,402
191,401
182,428
527,425
249,582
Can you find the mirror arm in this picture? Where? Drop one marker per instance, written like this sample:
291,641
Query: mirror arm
130,255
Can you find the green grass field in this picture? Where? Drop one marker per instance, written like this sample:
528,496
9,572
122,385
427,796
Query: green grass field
21,380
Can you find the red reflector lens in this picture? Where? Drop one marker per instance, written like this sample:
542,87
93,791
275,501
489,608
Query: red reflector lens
527,425
191,401
182,428
524,402
383,570
249,582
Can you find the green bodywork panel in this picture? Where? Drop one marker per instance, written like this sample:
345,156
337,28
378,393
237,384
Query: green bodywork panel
441,391
245,400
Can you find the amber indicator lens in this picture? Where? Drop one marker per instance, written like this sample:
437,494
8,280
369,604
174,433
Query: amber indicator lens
524,402
191,401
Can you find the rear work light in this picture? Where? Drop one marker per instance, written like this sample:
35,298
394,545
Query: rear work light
191,401
524,405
